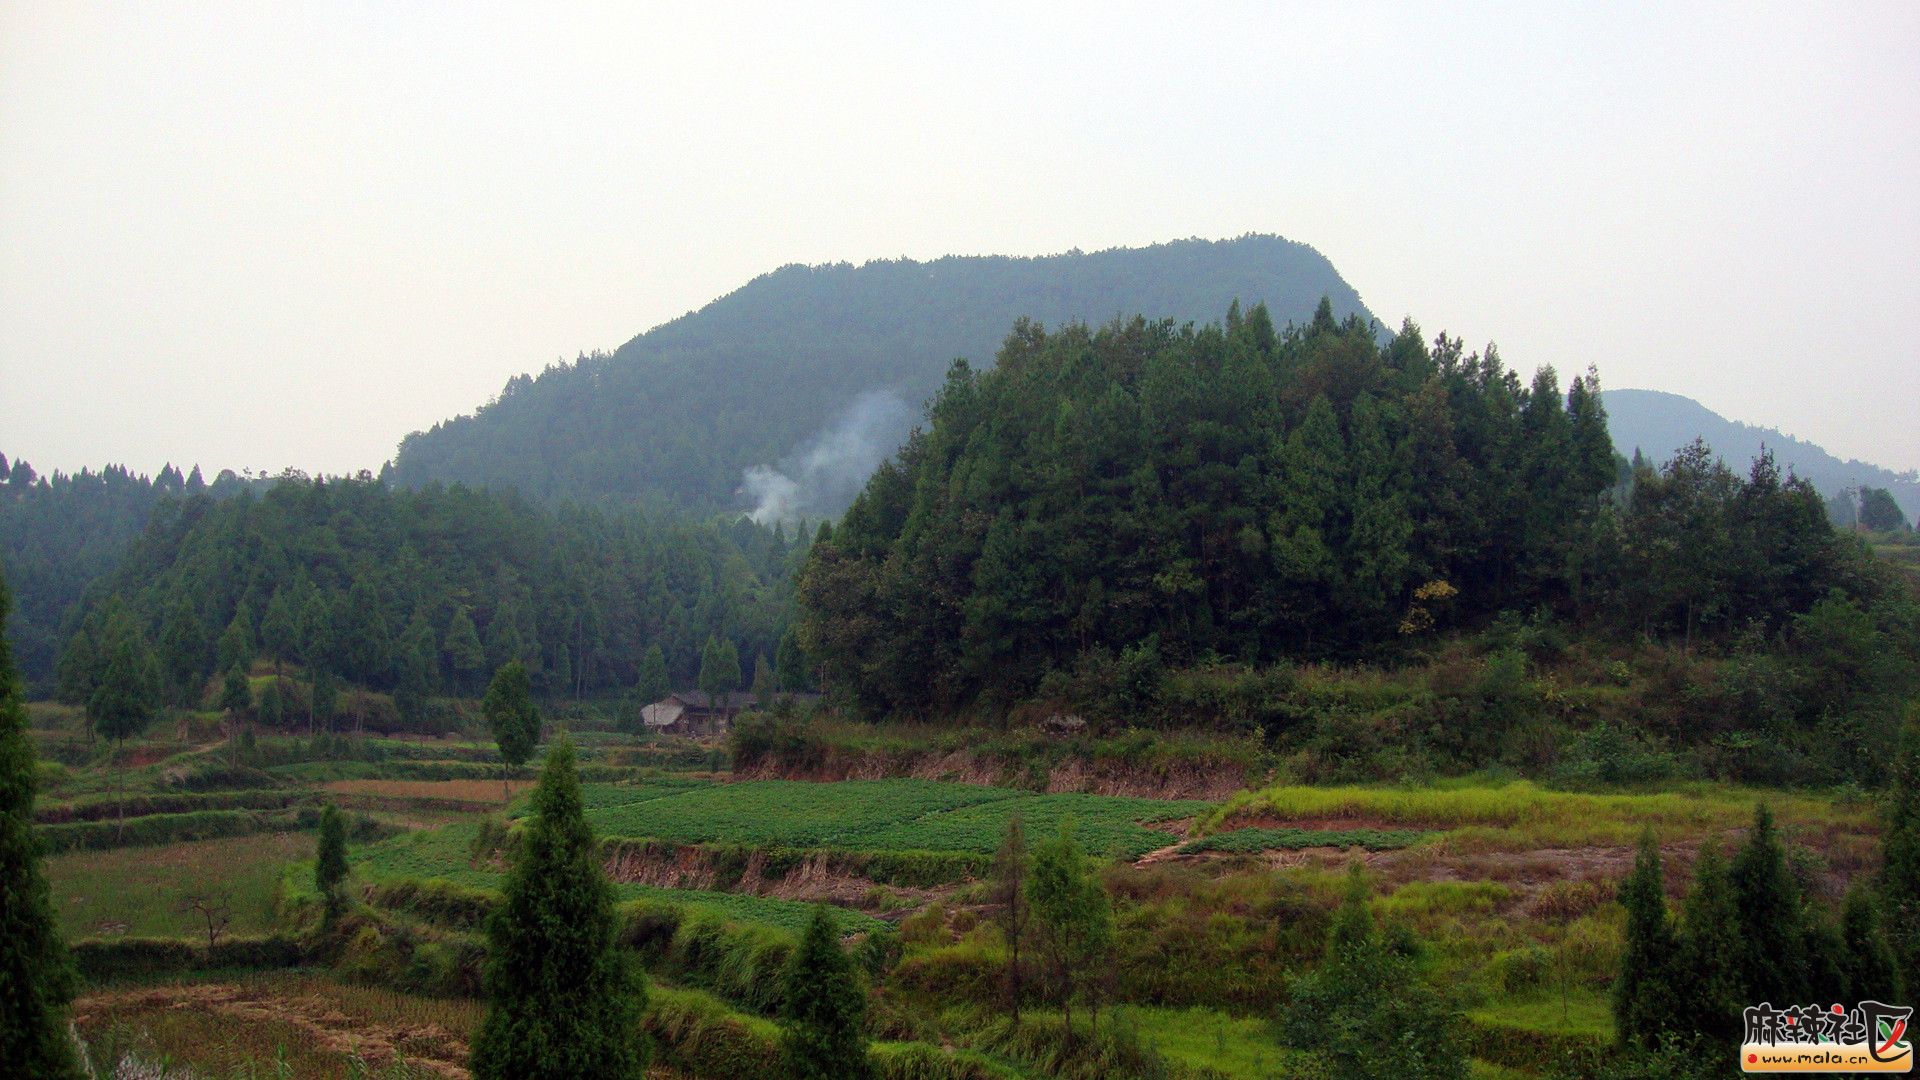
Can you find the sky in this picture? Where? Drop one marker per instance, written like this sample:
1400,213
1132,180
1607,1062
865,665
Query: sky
260,236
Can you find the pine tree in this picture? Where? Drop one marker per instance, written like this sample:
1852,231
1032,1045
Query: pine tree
824,1008
764,686
330,861
1773,953
235,647
563,1000
719,667
182,653
128,694
36,979
1013,913
1072,920
280,630
511,717
465,655
1643,1003
790,662
652,685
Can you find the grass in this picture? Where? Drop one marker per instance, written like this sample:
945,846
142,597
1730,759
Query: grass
138,891
1208,1039
1256,840
881,815
1523,815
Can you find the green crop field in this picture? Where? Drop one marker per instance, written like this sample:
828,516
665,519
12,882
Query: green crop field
142,891
1256,840
883,815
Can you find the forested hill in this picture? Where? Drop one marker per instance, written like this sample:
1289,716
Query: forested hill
1658,423
820,371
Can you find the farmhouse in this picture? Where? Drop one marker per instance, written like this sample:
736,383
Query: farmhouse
695,712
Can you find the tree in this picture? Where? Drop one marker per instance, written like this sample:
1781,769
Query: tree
465,655
511,717
330,861
1072,919
128,694
235,647
824,1008
1879,512
790,663
36,978
1900,846
764,685
1643,1004
719,667
1013,913
1707,968
563,1000
236,696
280,630
182,652
323,699
652,685
1773,931
365,639
1365,1010
1867,964
214,908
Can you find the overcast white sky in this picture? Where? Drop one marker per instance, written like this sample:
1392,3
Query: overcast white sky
267,235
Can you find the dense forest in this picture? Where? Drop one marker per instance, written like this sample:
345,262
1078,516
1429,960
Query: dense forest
1109,504
60,533
676,415
427,592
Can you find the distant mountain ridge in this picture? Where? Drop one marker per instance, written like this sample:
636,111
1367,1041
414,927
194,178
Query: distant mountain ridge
810,375
1658,423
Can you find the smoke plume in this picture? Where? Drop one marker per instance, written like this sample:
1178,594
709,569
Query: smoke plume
822,476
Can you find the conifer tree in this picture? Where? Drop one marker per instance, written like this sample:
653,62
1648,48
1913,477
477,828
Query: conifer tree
1868,965
1900,846
124,700
465,655
1644,1007
563,1000
330,861
511,717
182,652
719,667
790,663
1707,974
824,1009
235,647
1773,932
1013,911
36,978
764,685
236,696
652,685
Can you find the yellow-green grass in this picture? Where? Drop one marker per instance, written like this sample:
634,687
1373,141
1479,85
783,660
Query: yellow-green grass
1537,1032
1207,1039
142,891
1521,815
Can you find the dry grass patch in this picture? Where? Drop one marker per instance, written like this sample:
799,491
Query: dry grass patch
461,791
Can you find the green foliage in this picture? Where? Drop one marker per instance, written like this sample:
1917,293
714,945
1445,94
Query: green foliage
1644,1004
510,714
1072,922
1774,962
236,696
1367,1012
1013,911
563,1001
330,862
36,977
1256,840
1900,869
106,959
1869,969
652,683
1707,969
123,699
823,1010
719,667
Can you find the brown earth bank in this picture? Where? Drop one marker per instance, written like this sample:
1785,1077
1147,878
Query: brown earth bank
819,877
1212,783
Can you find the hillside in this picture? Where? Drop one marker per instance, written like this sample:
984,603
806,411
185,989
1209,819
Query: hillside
1658,423
819,371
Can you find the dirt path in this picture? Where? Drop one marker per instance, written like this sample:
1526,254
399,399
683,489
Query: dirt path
423,1046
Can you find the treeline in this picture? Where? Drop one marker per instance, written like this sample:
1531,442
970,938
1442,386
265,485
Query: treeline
1145,496
421,592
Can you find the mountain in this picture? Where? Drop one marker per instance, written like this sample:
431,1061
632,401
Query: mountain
1658,423
783,395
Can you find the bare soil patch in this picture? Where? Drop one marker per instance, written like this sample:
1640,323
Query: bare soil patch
461,791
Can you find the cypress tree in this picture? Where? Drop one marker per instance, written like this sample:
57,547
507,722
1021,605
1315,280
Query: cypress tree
1900,846
465,655
36,980
790,663
235,647
1643,1000
236,696
330,862
824,1009
1773,931
652,685
563,999
1707,977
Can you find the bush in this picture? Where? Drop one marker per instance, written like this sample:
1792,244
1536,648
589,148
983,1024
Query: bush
105,959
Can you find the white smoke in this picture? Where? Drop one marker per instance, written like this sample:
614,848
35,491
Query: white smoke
822,476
